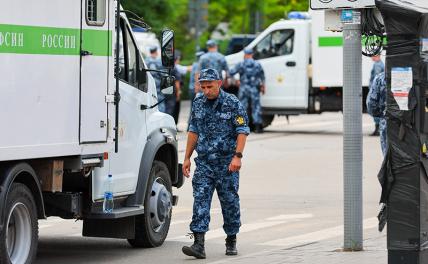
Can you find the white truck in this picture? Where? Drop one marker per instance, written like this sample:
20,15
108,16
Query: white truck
63,132
303,67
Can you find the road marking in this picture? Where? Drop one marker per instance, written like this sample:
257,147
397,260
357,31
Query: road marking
213,212
46,223
300,240
218,233
290,217
317,235
245,228
309,124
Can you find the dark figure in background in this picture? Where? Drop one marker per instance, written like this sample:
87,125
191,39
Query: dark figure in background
378,67
178,86
376,106
155,63
194,88
218,132
214,60
172,102
252,83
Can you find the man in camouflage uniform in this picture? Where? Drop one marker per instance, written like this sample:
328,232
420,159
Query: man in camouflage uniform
218,132
376,106
252,79
193,85
154,63
213,60
378,67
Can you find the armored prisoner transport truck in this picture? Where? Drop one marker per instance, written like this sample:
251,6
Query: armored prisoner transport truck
63,113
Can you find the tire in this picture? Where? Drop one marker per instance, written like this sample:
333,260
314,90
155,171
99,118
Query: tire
267,120
148,232
18,241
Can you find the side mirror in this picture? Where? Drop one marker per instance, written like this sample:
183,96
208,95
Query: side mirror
167,48
167,84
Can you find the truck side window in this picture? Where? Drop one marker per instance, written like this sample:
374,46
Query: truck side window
277,43
132,60
96,12
122,65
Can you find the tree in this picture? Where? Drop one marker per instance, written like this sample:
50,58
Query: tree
174,14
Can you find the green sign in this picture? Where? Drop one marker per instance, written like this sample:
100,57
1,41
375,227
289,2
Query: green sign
53,41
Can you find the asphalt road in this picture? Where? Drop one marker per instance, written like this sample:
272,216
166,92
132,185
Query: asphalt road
291,191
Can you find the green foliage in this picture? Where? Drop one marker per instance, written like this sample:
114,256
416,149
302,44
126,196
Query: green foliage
174,14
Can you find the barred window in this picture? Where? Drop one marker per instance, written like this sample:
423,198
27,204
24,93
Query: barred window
96,12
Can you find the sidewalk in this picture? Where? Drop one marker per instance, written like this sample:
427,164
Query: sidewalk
323,252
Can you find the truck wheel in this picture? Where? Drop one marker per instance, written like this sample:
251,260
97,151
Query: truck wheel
19,239
151,229
267,120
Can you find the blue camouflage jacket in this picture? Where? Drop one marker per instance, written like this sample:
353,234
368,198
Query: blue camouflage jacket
214,60
250,73
218,124
378,67
155,64
376,99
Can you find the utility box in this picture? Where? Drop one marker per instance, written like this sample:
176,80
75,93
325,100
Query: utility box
336,4
404,177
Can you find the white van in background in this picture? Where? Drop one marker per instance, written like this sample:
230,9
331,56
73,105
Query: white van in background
303,66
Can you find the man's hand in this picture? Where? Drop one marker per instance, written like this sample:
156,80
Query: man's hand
235,165
263,89
186,168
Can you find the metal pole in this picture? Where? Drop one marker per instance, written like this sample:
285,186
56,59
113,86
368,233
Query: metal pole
352,137
198,5
117,72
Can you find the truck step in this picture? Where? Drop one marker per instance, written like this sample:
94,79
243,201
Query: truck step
118,213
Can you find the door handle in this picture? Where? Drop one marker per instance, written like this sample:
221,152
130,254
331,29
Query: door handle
290,64
85,53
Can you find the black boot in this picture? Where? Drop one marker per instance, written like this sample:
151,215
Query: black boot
376,132
197,250
231,246
258,128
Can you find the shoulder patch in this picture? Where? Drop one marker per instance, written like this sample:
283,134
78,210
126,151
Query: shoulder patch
240,120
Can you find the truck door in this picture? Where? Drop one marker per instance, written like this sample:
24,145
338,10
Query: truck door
133,82
95,55
276,53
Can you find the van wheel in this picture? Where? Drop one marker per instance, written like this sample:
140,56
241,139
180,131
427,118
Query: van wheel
151,229
18,241
267,120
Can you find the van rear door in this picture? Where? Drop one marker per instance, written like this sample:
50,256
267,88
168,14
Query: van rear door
95,55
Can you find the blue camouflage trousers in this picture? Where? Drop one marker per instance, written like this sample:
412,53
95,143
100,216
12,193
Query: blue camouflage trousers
210,176
251,95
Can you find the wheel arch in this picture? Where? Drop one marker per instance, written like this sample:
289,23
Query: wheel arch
161,146
22,173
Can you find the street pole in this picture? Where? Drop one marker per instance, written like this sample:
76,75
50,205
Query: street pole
352,138
197,34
